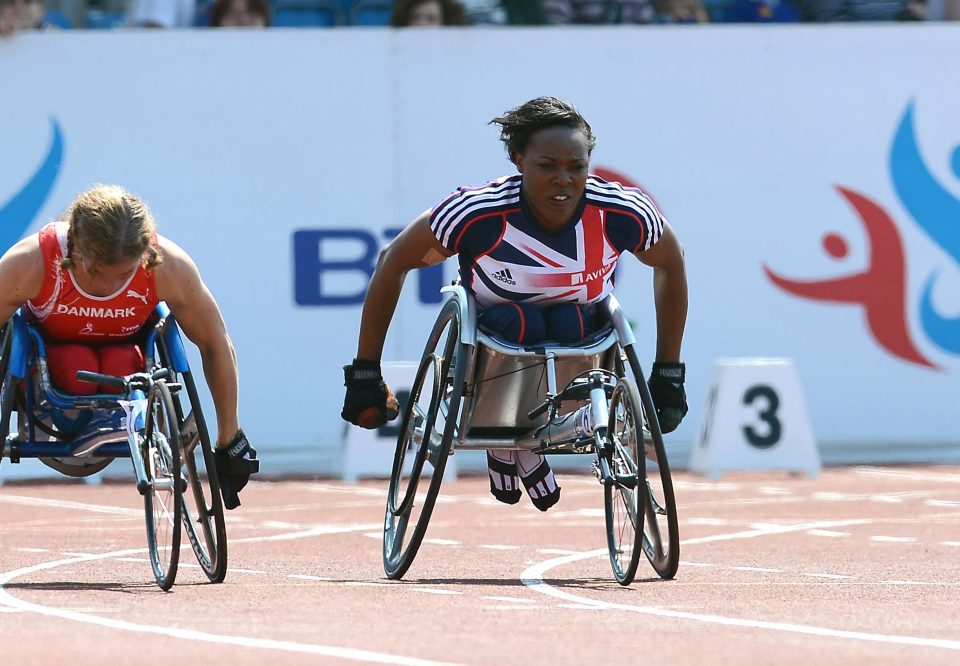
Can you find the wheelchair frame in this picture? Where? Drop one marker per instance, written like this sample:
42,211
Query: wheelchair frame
475,391
26,388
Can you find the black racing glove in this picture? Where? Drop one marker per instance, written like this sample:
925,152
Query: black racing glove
669,398
369,402
235,463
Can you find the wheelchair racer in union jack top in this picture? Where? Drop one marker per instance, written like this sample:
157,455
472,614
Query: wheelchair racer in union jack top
92,279
538,250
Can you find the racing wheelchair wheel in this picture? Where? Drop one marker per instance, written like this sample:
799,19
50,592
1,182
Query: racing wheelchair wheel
661,533
203,513
622,497
426,435
163,495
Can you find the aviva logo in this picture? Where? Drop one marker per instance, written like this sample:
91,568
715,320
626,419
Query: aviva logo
19,212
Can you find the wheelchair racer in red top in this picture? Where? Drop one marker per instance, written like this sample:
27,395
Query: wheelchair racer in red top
537,250
91,280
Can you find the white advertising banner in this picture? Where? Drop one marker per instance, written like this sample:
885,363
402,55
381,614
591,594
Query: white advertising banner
812,175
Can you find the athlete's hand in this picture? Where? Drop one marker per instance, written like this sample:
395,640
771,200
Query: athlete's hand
669,398
369,402
235,463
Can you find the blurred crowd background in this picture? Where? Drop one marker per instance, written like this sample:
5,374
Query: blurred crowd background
21,15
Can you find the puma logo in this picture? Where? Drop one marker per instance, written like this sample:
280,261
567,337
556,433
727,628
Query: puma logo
132,294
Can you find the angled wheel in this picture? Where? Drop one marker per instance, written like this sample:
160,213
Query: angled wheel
162,499
426,434
661,538
203,516
7,386
623,498
203,513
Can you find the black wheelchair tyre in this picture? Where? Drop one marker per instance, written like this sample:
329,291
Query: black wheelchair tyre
162,499
661,539
403,530
203,513
623,499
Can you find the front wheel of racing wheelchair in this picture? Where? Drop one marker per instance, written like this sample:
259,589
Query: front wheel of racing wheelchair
203,512
661,533
427,429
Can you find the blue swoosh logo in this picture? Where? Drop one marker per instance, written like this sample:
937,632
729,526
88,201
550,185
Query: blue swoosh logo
937,212
18,213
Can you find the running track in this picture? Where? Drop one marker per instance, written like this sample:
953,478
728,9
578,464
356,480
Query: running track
858,566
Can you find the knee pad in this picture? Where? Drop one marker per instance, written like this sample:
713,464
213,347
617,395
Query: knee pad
516,322
504,483
568,322
64,360
538,479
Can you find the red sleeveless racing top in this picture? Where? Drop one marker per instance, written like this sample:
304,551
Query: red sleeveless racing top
64,312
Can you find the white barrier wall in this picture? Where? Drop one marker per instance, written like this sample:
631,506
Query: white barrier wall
281,160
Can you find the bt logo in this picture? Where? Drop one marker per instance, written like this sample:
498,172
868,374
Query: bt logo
316,274
881,289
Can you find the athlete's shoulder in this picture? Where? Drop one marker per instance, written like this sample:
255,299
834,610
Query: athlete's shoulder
466,204
613,194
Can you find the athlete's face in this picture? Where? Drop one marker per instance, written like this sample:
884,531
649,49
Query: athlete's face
100,279
554,168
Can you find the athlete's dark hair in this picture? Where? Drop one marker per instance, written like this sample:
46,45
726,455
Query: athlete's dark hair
518,125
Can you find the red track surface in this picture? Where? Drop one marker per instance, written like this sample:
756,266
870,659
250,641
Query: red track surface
858,566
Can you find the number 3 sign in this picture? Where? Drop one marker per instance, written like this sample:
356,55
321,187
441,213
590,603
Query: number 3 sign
756,419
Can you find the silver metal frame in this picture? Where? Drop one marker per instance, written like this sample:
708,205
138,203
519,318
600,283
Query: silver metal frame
505,381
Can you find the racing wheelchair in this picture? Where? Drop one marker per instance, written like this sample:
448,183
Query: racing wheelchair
164,435
476,391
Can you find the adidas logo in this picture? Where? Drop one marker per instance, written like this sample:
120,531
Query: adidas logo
505,276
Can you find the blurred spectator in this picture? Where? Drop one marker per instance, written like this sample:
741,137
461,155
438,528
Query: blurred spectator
161,13
624,11
760,11
427,13
831,11
240,14
16,15
485,12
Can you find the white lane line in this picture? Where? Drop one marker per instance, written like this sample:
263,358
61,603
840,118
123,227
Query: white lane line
773,490
814,574
308,577
926,476
318,530
63,504
758,569
903,582
934,502
827,533
373,535
511,600
556,551
9,603
428,590
707,521
498,546
892,539
950,543
442,542
685,563
33,550
886,499
365,583
533,576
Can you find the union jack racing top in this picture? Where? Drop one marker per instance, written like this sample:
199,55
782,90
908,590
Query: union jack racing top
506,257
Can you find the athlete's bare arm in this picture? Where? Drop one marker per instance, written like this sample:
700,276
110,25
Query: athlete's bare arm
21,275
414,247
669,292
179,284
